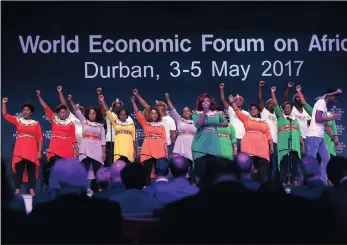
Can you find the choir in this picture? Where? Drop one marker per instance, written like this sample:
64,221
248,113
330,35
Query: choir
275,136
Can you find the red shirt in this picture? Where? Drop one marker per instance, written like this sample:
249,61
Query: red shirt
63,137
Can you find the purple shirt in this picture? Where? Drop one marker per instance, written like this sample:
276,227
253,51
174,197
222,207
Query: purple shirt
93,138
186,132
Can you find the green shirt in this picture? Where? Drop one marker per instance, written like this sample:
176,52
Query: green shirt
331,125
227,138
284,127
206,141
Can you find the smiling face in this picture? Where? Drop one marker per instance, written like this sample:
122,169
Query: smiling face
206,103
254,111
239,101
92,115
186,113
287,109
26,112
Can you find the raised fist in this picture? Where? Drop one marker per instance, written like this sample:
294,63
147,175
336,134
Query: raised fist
101,97
261,83
221,86
167,96
4,100
59,88
273,89
290,84
99,90
38,92
231,98
69,97
298,88
135,91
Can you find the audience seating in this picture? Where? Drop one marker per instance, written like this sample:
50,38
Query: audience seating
139,230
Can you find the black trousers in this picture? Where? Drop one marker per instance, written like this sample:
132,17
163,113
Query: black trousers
200,166
261,165
292,170
47,168
20,167
148,166
109,153
95,165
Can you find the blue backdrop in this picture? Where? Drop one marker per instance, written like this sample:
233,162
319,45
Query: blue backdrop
23,73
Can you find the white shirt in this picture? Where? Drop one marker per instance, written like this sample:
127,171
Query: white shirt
303,118
237,124
78,126
317,129
169,124
271,120
109,137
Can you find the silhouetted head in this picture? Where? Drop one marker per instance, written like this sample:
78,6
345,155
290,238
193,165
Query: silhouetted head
254,111
116,169
122,115
61,111
103,177
311,167
205,100
246,165
133,176
93,114
337,169
179,166
28,109
161,167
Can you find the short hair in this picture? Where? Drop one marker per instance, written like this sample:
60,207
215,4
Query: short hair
134,176
337,169
30,105
256,106
60,107
162,167
201,98
179,166
103,177
119,112
116,169
187,108
245,162
147,114
98,117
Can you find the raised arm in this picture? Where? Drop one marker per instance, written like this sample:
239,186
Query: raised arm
73,105
103,111
103,105
260,96
48,110
140,99
62,98
222,96
286,92
169,103
140,118
4,106
174,112
75,108
277,109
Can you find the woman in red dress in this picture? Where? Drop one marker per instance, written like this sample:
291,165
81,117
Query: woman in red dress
63,142
28,147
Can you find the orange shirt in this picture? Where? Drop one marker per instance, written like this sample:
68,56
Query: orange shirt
63,137
256,140
29,134
154,144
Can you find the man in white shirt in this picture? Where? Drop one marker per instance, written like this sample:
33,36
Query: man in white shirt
116,107
267,113
234,120
168,122
315,134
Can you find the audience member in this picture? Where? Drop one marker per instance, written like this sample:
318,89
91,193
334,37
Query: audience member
72,215
246,165
134,200
313,187
116,186
161,170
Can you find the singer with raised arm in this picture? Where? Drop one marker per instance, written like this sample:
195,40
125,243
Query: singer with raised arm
92,149
257,141
154,144
206,142
28,147
315,134
124,132
330,135
63,143
290,144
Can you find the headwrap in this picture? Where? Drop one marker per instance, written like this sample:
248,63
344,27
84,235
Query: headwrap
117,101
268,101
237,96
338,91
160,103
